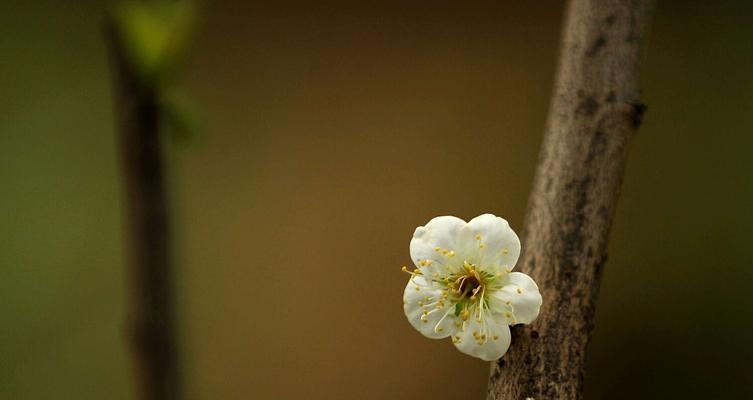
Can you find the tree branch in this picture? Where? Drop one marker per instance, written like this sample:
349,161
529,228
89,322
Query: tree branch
594,112
151,319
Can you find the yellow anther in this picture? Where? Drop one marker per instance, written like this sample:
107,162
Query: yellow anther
418,289
508,315
440,329
520,290
481,245
420,303
451,253
422,263
505,251
495,337
456,339
428,262
478,237
437,249
404,268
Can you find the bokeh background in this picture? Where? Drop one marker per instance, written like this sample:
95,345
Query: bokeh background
332,131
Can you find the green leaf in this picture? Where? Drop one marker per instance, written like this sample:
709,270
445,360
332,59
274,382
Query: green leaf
181,117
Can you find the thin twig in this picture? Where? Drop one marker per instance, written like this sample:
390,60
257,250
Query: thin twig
151,316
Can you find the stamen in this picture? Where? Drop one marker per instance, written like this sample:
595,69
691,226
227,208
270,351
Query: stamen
414,272
437,328
475,291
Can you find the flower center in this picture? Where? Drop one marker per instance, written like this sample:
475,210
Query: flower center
468,283
469,286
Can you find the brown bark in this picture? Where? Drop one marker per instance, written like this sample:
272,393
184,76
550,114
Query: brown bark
595,110
151,329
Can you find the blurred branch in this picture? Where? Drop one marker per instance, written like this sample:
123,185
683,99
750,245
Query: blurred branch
151,322
594,112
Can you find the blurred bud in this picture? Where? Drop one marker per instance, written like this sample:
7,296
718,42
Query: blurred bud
156,36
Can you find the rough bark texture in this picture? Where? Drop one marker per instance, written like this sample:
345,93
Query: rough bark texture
595,111
151,330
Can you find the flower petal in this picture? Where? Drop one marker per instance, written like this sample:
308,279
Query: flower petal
495,243
523,294
436,239
420,297
489,344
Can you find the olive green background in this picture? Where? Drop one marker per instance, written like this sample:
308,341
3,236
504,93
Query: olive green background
332,131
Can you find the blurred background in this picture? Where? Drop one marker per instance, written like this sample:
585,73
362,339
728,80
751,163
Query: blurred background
332,131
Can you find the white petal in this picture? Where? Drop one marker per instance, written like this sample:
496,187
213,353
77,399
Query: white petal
441,233
523,294
439,322
495,243
489,348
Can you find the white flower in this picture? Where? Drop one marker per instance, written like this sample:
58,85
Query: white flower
463,285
